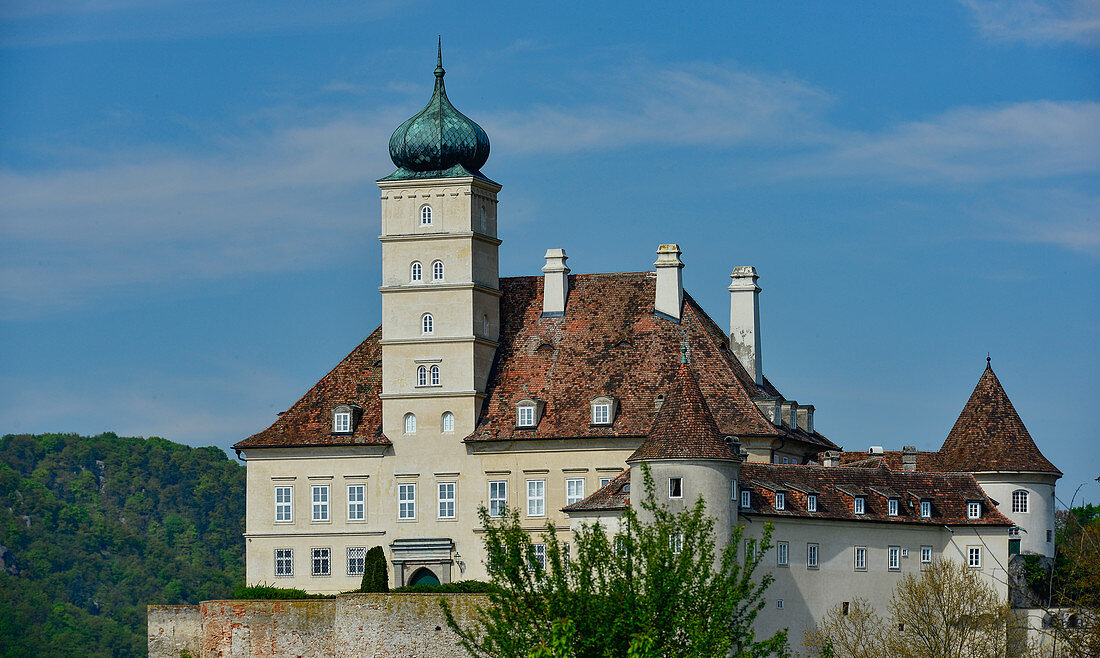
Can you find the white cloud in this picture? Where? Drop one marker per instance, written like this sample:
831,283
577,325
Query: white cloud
1063,217
1038,21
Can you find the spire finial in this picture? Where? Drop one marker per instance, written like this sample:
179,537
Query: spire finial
439,58
987,360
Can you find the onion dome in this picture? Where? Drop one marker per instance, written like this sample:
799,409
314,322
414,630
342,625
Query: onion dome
439,141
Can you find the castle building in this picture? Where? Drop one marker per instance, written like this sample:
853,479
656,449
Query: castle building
546,393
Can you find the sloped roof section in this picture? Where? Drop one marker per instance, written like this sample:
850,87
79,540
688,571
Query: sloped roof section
684,428
356,380
615,495
989,435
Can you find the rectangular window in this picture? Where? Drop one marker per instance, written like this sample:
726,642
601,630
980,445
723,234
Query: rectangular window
973,510
926,509
498,497
446,500
536,498
341,422
574,490
283,505
526,417
974,556
320,502
860,554
1050,536
781,553
357,509
779,604
601,414
540,556
750,549
746,498
857,505
895,558
1014,531
811,556
892,507
926,555
1019,501
780,500
284,562
811,503
676,543
357,555
676,487
733,489
406,501
321,561
605,481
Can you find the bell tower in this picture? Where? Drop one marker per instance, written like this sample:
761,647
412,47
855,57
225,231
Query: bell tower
440,291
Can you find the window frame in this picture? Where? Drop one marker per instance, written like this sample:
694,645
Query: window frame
926,554
442,500
782,554
678,491
1021,504
416,272
406,501
813,550
341,422
746,498
433,374
410,423
426,215
287,505
359,504
438,270
539,553
359,559
676,543
925,508
892,507
811,502
604,481
601,413
974,557
859,505
321,510
447,422
427,324
525,415
421,375
287,560
500,500
859,558
973,510
573,497
320,555
894,558
537,501
780,501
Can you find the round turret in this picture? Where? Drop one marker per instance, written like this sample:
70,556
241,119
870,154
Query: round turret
439,141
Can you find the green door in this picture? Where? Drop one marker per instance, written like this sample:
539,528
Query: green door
424,576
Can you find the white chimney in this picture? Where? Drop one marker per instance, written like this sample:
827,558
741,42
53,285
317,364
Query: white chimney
555,283
670,282
745,320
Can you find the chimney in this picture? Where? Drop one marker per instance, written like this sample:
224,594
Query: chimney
830,458
909,458
555,283
770,407
745,320
806,418
670,282
790,413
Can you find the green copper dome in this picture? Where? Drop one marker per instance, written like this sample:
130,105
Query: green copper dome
439,141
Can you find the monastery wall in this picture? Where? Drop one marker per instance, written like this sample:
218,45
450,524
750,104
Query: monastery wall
349,625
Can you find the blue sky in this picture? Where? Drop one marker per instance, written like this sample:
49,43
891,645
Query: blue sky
188,232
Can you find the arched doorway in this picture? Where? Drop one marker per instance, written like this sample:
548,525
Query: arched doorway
423,576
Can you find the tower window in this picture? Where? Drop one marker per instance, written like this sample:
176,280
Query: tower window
425,215
434,374
410,423
675,487
416,271
448,422
422,375
427,323
437,270
1020,501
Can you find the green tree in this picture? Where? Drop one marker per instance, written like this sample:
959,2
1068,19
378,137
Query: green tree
375,572
657,588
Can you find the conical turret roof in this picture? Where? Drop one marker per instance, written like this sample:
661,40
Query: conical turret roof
684,427
989,435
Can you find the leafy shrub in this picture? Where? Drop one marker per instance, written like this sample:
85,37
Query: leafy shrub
269,592
461,587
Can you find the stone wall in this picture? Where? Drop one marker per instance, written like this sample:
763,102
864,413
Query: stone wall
349,625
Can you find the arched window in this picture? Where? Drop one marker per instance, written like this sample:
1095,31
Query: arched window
416,272
437,270
410,424
448,422
425,215
1020,501
435,375
428,323
422,375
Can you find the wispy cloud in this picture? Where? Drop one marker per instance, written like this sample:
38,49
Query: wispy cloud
1038,21
1059,216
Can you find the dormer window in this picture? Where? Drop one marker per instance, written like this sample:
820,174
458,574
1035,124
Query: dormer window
892,507
926,509
416,272
437,270
603,411
859,505
811,503
780,501
425,215
427,323
527,413
343,419
973,510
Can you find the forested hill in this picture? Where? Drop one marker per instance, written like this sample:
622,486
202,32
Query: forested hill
92,529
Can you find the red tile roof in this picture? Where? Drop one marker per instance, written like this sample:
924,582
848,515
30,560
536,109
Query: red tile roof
608,343
684,428
929,462
989,435
835,487
615,495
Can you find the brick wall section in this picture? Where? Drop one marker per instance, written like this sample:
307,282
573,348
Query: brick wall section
382,625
